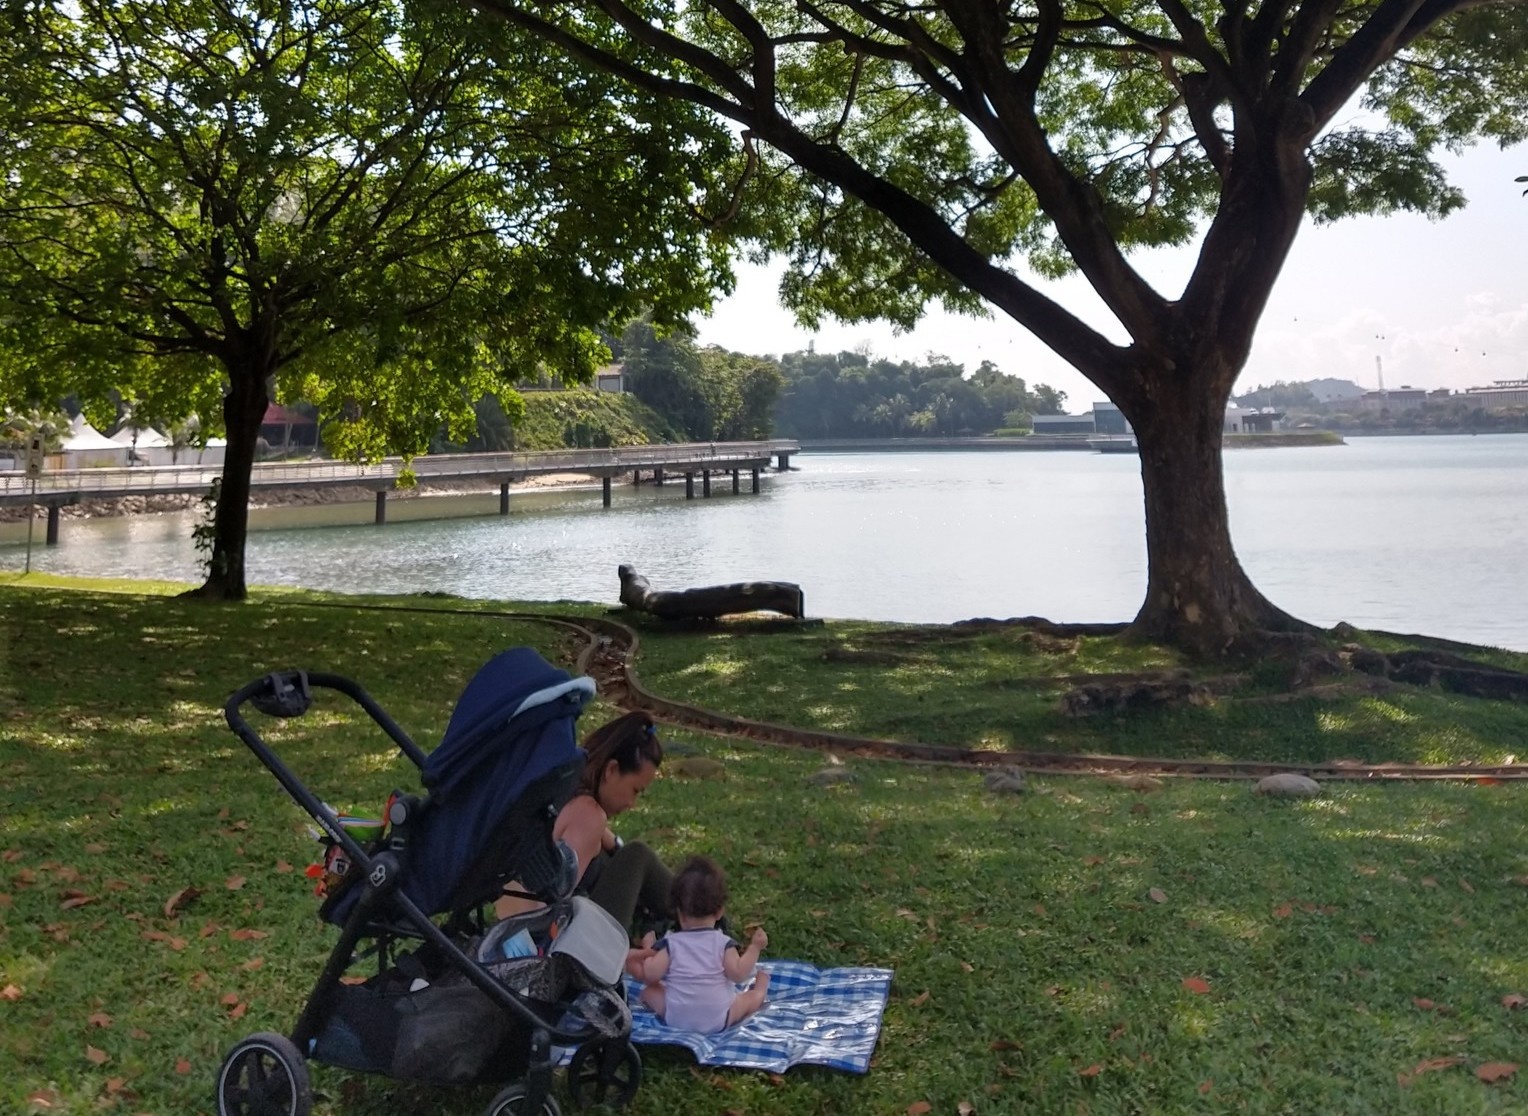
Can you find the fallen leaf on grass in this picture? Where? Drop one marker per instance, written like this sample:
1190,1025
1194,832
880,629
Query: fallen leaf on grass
1006,1044
920,999
1425,1004
233,883
74,899
283,867
1514,1000
1430,1065
98,1019
1206,1085
10,992
182,1066
43,1099
1092,1071
1493,1072
918,1108
1466,885
248,935
1117,1032
1197,985
182,898
115,1085
1283,910
1090,861
1157,895
965,1108
97,1056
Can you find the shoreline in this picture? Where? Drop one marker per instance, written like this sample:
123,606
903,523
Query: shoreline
261,499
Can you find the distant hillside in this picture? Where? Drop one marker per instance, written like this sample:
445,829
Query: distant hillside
1306,393
560,419
1334,391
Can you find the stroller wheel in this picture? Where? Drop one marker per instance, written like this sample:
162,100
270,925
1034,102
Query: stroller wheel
264,1075
512,1102
606,1071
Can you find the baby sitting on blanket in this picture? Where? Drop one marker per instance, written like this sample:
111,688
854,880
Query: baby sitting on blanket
691,977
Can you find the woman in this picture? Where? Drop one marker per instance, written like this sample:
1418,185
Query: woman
628,880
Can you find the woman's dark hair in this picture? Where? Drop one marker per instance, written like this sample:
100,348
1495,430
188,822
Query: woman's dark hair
631,741
699,888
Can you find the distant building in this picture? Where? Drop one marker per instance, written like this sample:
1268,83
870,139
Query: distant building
1108,419
1251,420
610,378
1502,393
1403,398
1064,424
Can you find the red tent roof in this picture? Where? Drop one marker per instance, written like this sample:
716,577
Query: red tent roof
284,415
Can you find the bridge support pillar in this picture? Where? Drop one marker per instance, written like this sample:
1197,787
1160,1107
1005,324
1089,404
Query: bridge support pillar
605,490
381,516
784,462
734,482
503,497
755,479
689,486
52,524
705,482
636,476
658,476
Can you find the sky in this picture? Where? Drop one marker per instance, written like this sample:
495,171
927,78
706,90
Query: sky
1436,303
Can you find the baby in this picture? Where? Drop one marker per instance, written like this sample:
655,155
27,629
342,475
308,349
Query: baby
692,975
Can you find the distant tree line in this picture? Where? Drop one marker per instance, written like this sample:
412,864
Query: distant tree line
850,395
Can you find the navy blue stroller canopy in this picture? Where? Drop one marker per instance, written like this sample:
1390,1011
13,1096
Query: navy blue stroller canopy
508,761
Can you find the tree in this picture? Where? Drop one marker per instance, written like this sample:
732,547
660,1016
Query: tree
934,144
211,204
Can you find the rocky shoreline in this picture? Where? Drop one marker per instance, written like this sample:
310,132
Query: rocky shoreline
296,497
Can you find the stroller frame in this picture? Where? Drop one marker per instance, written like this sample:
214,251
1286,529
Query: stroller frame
602,1070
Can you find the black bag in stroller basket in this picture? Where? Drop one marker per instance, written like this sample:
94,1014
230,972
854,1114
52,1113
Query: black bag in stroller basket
463,1006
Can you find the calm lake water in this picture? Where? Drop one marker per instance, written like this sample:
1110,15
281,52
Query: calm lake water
1424,534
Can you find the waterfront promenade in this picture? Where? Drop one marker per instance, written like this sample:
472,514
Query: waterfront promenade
57,488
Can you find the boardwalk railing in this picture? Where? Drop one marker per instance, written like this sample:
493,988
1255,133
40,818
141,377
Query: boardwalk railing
143,480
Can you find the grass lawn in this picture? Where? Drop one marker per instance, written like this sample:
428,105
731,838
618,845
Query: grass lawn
1082,948
1000,689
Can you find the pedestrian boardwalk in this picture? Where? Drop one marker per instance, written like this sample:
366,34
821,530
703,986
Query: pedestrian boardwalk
70,486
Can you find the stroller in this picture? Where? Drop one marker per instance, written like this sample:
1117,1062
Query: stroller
453,1000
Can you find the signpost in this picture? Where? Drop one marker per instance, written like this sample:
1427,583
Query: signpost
36,451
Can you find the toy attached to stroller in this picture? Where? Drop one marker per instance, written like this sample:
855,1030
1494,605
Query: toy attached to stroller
456,1001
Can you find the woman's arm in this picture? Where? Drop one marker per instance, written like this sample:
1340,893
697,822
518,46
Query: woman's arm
583,825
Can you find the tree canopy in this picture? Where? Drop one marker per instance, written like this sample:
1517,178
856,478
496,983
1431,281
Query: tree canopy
210,202
915,152
849,395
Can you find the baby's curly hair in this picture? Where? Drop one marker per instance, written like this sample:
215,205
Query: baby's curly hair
699,888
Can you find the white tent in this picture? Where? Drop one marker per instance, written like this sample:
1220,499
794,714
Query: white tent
86,447
146,445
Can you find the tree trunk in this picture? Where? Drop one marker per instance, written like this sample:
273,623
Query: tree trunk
710,601
1198,597
243,410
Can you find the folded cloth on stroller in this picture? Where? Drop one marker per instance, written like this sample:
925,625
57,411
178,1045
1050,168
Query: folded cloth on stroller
828,1017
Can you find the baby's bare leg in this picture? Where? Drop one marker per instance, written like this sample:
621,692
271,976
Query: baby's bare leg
654,995
746,1003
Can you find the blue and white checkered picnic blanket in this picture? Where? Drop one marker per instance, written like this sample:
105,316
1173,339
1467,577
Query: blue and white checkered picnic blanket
828,1017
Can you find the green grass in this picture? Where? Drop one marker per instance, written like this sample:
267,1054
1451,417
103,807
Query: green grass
621,420
1026,937
1001,689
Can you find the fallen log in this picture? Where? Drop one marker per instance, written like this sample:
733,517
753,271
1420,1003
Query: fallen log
710,601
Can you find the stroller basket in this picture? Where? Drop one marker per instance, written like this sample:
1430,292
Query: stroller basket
462,1006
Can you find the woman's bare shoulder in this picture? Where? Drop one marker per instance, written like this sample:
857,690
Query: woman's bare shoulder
581,812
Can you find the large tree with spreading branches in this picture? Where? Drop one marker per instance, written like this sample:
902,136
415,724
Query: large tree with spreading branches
908,152
208,204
